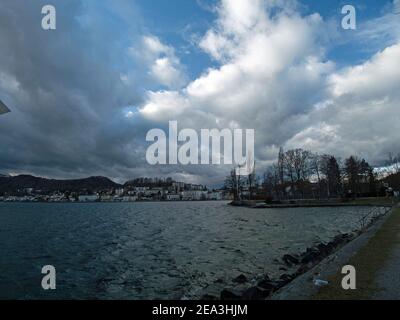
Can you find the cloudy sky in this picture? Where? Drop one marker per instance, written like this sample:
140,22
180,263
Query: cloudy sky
84,96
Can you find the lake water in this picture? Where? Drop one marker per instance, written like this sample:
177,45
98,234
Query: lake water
171,250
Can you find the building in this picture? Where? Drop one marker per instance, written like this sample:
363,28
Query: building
215,196
196,187
141,189
88,198
194,195
106,198
173,197
129,198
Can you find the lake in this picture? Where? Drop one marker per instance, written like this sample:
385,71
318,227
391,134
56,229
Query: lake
177,250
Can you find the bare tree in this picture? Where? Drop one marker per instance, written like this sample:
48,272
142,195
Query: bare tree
358,173
233,183
272,182
318,167
279,170
302,164
333,175
352,169
251,181
289,164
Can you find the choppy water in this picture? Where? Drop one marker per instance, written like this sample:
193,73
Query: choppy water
152,250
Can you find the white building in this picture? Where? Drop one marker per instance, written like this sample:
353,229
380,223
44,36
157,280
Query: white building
194,195
57,198
106,197
216,195
153,192
129,199
197,187
173,197
141,189
88,198
178,186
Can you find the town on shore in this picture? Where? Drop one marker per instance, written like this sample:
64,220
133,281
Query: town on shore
99,189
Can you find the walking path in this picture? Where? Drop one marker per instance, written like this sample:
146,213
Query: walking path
388,278
376,258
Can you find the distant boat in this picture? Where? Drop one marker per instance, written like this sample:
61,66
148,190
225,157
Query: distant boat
3,108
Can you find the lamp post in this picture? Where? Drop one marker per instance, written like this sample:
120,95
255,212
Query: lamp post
3,108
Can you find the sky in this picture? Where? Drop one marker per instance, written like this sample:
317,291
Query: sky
83,97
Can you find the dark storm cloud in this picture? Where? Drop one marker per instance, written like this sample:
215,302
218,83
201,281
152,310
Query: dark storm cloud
65,89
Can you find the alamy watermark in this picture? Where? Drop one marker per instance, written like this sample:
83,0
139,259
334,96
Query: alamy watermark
186,148
49,20
349,281
349,21
49,280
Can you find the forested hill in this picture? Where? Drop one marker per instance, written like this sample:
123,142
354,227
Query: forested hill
21,182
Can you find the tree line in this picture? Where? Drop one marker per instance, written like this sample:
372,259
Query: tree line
302,174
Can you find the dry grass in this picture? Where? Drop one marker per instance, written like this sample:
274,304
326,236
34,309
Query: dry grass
368,262
375,201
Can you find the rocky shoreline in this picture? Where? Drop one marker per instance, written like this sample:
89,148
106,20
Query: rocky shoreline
262,288
299,204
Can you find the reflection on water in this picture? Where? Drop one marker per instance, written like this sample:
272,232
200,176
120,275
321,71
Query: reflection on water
152,250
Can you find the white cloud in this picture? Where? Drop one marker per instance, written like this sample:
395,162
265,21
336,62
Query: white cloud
315,138
273,77
9,83
377,77
263,62
164,105
166,72
362,106
163,65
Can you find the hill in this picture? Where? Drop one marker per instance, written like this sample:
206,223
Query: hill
21,182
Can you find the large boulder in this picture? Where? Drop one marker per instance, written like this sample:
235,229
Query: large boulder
290,260
208,297
267,284
241,279
286,278
341,239
256,293
231,294
312,255
325,249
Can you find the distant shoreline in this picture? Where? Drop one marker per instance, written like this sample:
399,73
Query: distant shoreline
114,202
362,202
